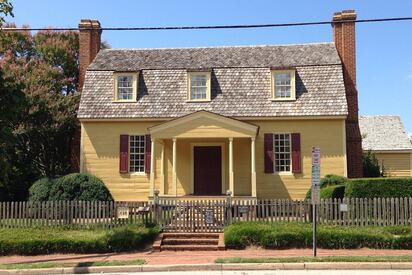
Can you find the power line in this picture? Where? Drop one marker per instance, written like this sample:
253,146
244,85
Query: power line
214,26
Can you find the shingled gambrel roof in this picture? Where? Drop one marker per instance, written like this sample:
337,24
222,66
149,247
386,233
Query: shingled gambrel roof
383,133
240,82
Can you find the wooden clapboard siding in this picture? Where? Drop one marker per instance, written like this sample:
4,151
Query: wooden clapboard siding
396,164
100,156
327,134
241,167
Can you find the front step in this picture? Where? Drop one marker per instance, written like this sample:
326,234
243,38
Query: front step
192,241
189,242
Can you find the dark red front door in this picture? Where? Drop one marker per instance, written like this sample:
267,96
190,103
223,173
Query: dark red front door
207,170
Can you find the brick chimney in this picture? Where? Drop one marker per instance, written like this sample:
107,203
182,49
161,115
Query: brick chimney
344,38
89,45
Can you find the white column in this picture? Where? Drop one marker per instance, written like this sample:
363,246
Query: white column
174,168
162,169
152,168
231,175
253,166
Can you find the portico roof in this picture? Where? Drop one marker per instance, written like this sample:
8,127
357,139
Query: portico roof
203,124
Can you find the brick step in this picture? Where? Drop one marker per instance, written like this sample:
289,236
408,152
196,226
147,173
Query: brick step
181,241
187,247
174,235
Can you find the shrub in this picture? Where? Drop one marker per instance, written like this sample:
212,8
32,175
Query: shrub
35,241
40,190
379,188
77,186
299,235
329,180
333,192
371,168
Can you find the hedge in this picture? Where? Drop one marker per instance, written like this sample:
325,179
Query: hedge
76,186
35,241
379,188
299,235
333,192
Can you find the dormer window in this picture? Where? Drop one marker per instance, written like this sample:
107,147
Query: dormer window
125,87
283,85
199,86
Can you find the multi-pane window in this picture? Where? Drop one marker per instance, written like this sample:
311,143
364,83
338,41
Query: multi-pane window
284,85
136,153
199,86
125,89
282,151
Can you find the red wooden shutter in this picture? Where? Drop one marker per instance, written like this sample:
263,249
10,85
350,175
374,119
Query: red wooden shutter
147,154
124,154
296,154
269,156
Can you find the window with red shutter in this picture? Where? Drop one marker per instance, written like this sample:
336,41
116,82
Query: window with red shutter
124,154
296,154
268,152
147,154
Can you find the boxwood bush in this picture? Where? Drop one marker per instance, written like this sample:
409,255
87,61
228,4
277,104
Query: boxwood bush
333,192
299,235
379,188
36,241
328,182
76,186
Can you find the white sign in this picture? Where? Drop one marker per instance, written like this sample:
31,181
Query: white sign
315,166
209,216
122,212
343,207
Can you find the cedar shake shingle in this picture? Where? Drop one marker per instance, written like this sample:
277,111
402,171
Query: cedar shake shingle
240,82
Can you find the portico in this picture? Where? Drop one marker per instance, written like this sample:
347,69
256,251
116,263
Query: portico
203,154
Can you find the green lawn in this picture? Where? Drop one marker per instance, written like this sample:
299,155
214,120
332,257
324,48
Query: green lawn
34,241
280,235
61,265
317,259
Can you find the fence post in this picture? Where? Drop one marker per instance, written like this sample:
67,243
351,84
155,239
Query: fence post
228,207
156,206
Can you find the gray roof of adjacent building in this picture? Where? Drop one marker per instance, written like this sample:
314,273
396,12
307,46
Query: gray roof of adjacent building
384,133
241,81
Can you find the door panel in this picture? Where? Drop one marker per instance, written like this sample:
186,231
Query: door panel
207,170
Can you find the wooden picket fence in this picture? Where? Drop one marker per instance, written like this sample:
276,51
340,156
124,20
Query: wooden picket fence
73,213
175,214
347,211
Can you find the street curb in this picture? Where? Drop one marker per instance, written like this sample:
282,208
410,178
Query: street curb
215,267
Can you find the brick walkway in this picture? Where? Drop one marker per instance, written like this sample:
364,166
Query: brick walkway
188,257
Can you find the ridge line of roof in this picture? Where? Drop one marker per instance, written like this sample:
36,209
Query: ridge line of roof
222,47
228,67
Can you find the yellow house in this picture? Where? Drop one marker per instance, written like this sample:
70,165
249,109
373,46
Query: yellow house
204,121
386,137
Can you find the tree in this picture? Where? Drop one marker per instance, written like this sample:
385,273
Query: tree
371,168
45,66
6,8
12,102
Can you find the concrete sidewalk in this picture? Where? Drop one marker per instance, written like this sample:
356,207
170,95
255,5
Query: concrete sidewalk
191,257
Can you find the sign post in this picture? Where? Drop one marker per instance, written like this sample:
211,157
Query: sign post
315,192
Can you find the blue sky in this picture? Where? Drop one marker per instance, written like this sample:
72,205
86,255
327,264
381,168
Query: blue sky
384,51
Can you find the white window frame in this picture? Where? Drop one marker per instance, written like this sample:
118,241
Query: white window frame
130,155
135,77
292,85
189,86
290,155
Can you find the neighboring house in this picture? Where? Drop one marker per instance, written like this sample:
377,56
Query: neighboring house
202,121
386,137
